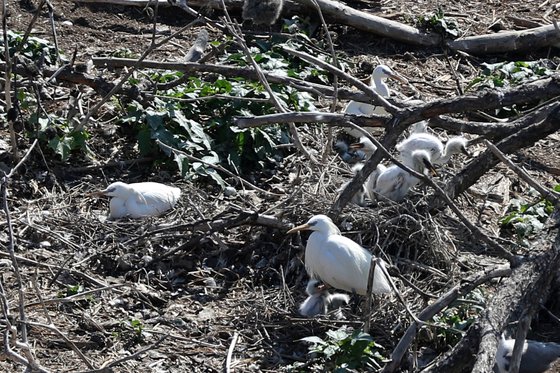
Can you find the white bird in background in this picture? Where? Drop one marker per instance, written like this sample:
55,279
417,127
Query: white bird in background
320,301
439,153
337,260
394,183
365,145
377,82
139,200
537,357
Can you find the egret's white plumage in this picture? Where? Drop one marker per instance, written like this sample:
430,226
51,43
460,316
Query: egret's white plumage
421,140
378,84
359,198
365,145
139,200
537,357
394,183
337,260
439,153
320,301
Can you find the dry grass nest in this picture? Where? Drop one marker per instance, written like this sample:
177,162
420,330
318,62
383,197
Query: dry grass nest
205,271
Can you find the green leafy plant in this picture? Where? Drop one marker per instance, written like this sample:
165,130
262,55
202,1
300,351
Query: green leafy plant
458,317
526,219
509,74
59,136
439,23
34,48
137,327
344,349
73,290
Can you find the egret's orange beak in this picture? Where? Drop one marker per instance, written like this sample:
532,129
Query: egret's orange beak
398,77
356,145
98,193
303,227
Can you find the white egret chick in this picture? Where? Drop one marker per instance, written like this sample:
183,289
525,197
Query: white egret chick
421,140
320,301
139,200
360,197
348,154
439,153
537,357
377,82
455,145
337,260
365,145
394,183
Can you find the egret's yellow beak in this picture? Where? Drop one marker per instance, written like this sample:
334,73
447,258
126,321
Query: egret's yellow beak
431,167
465,151
98,193
398,77
303,227
356,145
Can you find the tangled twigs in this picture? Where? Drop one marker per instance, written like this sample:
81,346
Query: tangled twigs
217,167
550,195
153,46
443,301
28,359
107,367
237,34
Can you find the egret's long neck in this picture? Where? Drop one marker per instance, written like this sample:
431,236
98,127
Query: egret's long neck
380,86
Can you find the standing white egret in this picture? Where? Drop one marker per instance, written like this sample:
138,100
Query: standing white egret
536,357
394,183
439,153
377,82
320,301
139,200
337,260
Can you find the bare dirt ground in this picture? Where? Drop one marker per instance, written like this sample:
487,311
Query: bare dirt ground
238,288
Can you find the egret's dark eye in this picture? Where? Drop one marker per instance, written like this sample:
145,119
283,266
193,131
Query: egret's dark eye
111,190
312,223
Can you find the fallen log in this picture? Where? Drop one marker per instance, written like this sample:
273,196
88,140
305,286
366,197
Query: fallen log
519,295
337,12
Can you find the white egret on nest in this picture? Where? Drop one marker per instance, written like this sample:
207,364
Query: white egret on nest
139,200
320,301
377,82
439,153
394,183
337,260
537,357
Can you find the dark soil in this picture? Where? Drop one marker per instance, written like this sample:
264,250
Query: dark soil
187,296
